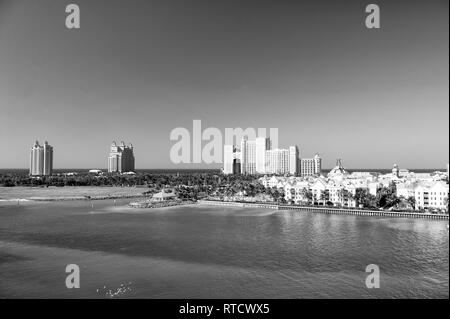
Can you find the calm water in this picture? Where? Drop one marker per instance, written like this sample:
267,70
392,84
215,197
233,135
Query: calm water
212,252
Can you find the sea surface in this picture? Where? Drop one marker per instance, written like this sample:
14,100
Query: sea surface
215,252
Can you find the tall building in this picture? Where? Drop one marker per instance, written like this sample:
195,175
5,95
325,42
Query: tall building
231,160
121,158
277,162
262,145
228,154
294,160
257,157
237,163
311,166
248,156
395,170
41,159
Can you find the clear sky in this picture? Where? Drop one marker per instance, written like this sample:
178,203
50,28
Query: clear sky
137,69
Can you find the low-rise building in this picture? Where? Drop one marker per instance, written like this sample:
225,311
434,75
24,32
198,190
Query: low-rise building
432,196
406,189
164,196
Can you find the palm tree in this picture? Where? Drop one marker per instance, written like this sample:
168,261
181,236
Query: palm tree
446,203
307,193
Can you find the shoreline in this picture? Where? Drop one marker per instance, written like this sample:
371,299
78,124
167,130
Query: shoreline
80,193
69,198
328,210
71,193
156,205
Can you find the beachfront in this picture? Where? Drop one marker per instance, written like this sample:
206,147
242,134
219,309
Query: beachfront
68,193
144,200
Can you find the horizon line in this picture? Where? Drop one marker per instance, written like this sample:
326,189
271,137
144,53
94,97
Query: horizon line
215,169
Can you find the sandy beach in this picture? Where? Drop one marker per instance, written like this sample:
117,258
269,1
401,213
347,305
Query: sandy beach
15,194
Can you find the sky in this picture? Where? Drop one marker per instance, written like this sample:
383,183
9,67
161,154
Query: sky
136,70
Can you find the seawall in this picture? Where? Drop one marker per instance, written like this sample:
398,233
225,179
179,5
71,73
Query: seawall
328,210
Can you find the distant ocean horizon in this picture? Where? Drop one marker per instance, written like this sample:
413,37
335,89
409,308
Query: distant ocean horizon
4,171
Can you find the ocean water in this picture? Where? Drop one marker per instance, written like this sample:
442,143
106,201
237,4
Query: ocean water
215,252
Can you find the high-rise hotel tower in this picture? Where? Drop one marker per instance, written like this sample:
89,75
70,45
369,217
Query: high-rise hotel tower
258,157
121,158
41,159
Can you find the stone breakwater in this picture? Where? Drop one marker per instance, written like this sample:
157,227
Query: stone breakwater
152,204
326,210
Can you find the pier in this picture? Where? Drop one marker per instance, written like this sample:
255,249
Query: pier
328,210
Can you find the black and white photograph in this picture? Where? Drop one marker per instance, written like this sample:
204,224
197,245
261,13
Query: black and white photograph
224,150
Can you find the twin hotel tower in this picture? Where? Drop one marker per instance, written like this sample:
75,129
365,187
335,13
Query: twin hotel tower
120,159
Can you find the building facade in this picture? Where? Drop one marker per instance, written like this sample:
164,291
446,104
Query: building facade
262,145
277,162
231,160
41,159
311,166
121,158
228,154
257,157
248,156
432,196
294,161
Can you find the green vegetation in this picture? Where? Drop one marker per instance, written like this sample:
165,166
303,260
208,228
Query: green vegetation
194,186
188,185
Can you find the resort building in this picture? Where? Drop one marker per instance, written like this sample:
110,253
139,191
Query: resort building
257,157
262,146
231,160
294,161
338,173
121,158
41,159
311,166
274,181
342,193
318,190
248,156
336,193
277,162
395,171
434,196
406,189
164,196
228,159
296,191
430,190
